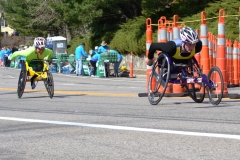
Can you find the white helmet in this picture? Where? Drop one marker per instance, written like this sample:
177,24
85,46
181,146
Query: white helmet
39,42
189,36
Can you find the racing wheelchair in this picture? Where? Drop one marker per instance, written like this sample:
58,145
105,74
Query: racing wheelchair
189,75
42,74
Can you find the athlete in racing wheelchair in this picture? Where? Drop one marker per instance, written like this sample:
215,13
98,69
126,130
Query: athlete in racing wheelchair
180,50
177,56
34,64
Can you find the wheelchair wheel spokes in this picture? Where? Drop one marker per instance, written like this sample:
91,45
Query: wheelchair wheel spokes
49,84
22,81
215,90
153,95
158,80
196,91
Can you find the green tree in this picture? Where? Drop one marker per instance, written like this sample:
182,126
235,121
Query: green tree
121,23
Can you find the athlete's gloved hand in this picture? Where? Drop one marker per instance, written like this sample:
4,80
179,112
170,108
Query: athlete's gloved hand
149,62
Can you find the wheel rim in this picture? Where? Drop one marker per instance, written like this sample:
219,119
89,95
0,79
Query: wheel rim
21,83
196,91
215,93
153,91
158,80
49,85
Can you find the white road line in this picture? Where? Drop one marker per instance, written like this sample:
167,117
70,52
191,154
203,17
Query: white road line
212,135
11,77
68,84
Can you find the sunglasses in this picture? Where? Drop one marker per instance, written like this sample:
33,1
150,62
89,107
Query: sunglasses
37,47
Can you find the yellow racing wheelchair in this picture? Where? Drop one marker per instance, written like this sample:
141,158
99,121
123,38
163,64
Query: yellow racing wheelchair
43,74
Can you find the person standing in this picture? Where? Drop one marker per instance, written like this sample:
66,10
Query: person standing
103,47
6,53
1,57
79,54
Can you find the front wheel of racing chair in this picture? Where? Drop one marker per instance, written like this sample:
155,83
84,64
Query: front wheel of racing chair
158,79
195,90
49,84
216,87
22,80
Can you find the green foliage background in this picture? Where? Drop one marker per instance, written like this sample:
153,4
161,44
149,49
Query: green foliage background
122,23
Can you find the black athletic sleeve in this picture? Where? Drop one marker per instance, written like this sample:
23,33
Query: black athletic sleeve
166,47
198,46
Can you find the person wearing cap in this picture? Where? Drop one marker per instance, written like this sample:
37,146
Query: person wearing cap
95,51
79,54
103,47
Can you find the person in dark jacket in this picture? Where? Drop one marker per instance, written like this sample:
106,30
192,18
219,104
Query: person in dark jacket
180,50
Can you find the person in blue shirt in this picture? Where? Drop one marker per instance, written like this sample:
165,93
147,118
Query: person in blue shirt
6,52
1,56
79,54
103,47
116,65
95,51
95,58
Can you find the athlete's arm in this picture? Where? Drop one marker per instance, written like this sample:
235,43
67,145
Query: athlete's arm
168,47
198,46
48,53
24,53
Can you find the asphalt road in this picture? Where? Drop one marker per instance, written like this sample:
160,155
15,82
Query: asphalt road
103,118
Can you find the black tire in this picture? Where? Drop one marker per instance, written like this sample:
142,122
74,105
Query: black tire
195,90
49,84
160,74
215,92
22,80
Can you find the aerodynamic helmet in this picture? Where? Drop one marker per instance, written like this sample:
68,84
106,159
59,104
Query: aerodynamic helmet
189,36
39,42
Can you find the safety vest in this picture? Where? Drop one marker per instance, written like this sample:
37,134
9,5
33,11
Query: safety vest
178,53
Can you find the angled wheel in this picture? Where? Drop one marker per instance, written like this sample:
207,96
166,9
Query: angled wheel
195,90
49,84
215,89
22,80
158,80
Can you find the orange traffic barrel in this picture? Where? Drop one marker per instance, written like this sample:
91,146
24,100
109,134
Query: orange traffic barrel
162,30
235,64
210,47
204,39
149,40
176,30
221,51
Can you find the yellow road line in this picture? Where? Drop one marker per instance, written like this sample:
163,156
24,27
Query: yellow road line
92,93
